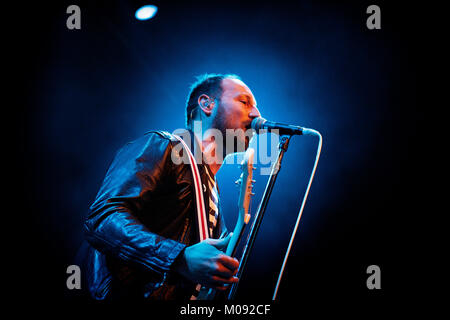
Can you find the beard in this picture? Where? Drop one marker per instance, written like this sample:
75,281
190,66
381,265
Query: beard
240,138
219,123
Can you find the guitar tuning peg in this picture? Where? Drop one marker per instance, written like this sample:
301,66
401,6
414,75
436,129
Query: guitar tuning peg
253,182
252,193
254,168
238,182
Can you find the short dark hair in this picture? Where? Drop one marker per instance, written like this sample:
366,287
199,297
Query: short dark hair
209,84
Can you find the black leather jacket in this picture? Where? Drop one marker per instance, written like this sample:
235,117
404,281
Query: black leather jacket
143,217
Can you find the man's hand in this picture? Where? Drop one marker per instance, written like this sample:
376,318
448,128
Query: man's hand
206,264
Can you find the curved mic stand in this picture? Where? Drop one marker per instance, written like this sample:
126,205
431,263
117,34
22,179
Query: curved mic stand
283,146
310,132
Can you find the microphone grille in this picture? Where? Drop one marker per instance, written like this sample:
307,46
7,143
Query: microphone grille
257,123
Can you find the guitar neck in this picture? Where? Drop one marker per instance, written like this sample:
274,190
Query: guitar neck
235,239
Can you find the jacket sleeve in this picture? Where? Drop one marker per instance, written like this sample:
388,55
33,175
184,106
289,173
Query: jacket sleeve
113,226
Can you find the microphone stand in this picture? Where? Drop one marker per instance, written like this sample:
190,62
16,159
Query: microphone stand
282,148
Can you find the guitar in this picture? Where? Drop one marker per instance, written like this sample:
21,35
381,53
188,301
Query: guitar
245,183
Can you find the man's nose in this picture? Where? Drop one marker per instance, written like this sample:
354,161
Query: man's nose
254,113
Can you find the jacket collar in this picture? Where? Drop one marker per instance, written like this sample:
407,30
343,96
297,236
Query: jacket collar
195,147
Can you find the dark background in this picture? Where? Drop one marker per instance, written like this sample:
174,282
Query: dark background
312,63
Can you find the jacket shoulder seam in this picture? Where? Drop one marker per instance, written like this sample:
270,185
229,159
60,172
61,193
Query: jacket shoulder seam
163,134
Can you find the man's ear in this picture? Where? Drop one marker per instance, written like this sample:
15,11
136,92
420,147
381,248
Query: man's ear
206,104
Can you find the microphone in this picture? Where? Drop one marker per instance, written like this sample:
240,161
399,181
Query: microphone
261,123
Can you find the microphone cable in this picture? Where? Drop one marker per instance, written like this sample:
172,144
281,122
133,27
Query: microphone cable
306,131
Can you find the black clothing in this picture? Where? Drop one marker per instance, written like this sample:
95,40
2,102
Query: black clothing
143,217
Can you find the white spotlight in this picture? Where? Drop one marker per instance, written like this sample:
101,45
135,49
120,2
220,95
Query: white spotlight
146,12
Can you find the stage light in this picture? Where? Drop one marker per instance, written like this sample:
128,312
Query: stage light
146,12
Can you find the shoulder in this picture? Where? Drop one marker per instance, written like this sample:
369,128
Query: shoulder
152,139
154,145
162,135
171,139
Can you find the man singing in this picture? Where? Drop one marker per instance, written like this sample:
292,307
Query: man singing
142,227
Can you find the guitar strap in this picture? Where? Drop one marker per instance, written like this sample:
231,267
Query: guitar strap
201,213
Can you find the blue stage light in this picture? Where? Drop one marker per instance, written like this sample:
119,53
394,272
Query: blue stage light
146,12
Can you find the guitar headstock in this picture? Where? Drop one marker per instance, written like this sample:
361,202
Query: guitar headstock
245,182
